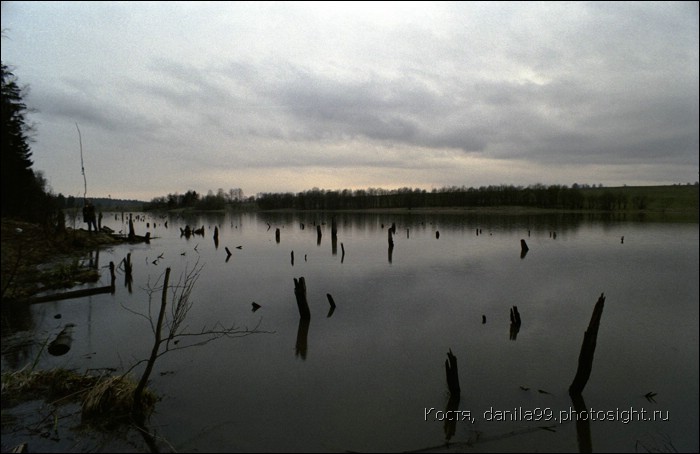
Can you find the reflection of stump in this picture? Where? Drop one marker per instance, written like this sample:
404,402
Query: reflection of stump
128,278
113,277
451,417
302,303
585,359
302,338
583,425
452,374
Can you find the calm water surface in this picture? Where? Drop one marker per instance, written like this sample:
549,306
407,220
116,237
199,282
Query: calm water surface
371,375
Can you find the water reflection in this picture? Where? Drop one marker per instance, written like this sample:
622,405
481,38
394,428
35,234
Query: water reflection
301,346
395,314
583,425
451,417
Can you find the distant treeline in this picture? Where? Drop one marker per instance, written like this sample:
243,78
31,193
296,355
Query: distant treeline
193,200
101,203
576,197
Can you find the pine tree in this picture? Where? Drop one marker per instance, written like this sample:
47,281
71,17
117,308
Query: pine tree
21,189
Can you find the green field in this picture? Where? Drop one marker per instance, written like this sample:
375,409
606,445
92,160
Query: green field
657,199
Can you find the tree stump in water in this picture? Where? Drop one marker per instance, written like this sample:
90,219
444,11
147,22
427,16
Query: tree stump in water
452,374
585,359
300,294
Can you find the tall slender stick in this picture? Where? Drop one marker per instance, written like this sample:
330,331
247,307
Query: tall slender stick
82,166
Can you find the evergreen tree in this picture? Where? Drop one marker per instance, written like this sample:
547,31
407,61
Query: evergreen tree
22,190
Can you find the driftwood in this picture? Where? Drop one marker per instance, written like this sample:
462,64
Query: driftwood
61,345
585,359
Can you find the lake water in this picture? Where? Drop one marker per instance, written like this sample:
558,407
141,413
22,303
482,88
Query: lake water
370,376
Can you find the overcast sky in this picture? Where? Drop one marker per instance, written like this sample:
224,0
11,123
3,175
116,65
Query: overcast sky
276,97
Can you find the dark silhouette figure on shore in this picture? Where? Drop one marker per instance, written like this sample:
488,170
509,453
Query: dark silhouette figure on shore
89,216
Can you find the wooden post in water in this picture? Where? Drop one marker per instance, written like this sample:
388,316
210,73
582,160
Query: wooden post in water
585,358
452,374
523,248
515,323
318,234
332,303
132,234
302,303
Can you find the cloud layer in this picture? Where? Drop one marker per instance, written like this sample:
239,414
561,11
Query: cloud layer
285,97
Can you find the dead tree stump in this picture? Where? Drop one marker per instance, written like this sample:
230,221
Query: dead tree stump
452,374
302,303
585,358
523,246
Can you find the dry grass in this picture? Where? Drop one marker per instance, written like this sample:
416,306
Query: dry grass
105,399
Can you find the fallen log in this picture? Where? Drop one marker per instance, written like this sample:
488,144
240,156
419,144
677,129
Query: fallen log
74,293
62,343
